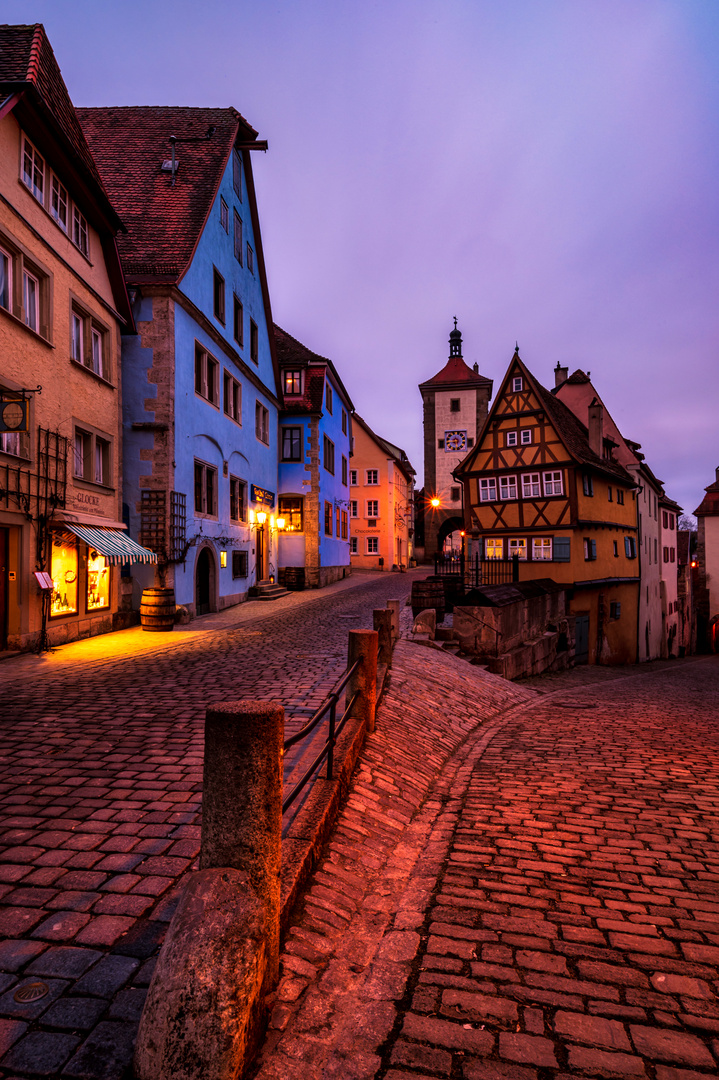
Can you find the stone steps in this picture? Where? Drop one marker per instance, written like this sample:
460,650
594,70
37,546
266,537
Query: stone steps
267,591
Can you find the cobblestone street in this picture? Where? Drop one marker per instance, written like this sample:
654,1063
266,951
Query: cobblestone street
100,797
533,897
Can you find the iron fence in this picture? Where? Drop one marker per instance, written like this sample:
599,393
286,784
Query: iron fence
329,705
475,571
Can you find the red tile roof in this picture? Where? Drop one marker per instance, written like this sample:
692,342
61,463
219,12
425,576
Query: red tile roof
164,222
709,506
292,353
28,64
456,371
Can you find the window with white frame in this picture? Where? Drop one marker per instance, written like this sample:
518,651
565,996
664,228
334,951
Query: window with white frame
205,489
587,484
262,423
542,549
291,508
553,483
508,487
525,436
79,231
371,477
590,550
233,397
92,457
530,486
493,548
517,384
372,508
292,380
33,171
353,478
353,508
59,204
207,376
353,545
88,342
238,499
372,545
31,300
224,215
512,438
518,547
488,490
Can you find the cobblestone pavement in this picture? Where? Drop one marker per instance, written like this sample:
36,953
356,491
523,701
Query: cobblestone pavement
99,803
529,898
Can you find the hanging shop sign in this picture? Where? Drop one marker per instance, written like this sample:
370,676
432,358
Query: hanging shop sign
262,495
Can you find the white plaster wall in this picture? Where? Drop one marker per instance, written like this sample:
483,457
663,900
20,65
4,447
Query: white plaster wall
650,599
445,420
711,535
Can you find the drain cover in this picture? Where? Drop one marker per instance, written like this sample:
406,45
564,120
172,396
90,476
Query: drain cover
31,992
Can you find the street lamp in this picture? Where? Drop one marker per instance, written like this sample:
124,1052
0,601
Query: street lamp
435,503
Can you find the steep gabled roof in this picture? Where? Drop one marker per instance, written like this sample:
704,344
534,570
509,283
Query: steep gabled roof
292,353
28,67
569,428
396,453
709,506
164,221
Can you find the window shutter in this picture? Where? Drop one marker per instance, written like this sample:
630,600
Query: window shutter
594,549
562,548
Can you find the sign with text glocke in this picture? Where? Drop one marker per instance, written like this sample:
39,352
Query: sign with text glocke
13,414
262,495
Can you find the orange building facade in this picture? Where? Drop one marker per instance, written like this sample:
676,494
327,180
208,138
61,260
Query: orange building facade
381,502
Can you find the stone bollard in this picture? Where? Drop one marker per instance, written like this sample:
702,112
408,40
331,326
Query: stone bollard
363,646
204,1011
393,608
383,625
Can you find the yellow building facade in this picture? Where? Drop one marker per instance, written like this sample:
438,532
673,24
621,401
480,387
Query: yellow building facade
62,301
381,502
537,490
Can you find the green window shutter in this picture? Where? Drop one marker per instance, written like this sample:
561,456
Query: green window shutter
561,549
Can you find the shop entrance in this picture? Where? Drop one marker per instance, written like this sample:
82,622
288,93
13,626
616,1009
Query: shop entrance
204,579
4,557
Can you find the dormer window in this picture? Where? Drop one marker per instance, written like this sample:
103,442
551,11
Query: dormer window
517,384
293,383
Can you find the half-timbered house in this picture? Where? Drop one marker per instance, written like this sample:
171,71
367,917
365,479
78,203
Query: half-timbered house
541,487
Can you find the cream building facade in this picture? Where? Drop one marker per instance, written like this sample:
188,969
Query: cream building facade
381,502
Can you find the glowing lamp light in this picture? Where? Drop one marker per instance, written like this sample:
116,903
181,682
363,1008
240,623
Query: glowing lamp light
223,559
434,503
272,521
261,517
281,523
251,516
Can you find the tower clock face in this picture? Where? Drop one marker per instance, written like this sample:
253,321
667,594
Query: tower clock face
455,440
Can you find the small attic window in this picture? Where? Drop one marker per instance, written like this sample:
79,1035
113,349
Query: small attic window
167,165
517,384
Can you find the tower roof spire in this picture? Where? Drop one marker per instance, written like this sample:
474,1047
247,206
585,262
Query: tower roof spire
455,341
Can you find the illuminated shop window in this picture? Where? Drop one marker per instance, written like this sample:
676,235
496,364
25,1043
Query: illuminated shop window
98,581
64,578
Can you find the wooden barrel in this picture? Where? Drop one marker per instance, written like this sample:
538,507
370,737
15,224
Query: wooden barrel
428,594
157,609
295,578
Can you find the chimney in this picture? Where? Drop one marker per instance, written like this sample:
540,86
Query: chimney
475,368
561,374
596,427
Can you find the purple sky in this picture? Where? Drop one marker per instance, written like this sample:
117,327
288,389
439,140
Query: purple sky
546,170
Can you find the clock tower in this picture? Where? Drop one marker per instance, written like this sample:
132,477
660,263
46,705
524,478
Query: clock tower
456,402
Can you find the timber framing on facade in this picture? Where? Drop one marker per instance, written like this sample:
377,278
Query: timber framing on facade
543,487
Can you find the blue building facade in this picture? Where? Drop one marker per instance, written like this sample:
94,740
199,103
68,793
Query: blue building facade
200,377
315,439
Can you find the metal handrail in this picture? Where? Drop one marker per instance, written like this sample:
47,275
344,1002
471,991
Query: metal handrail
335,729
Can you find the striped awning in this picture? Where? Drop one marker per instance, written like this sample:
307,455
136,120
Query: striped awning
117,547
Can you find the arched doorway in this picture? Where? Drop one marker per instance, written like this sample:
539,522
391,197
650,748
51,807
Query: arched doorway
449,539
205,582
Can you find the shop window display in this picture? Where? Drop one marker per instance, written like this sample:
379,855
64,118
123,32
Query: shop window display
64,578
98,581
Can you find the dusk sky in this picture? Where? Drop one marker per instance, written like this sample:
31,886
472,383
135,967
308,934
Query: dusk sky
545,170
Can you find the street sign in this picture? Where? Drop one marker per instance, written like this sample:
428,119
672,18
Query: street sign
13,414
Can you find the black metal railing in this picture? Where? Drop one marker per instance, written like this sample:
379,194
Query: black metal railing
329,705
475,571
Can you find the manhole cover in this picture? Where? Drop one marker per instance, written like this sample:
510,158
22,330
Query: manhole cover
31,992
